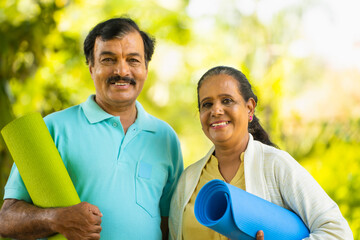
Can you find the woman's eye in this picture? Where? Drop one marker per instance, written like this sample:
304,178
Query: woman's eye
206,105
227,100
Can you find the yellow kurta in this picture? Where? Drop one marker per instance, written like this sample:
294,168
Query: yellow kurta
192,229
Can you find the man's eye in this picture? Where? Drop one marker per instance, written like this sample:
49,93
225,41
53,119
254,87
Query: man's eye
133,60
107,60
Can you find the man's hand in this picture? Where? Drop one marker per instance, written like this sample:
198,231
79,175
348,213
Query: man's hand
22,220
81,221
260,235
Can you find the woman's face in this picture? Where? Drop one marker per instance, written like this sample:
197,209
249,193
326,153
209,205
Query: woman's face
224,114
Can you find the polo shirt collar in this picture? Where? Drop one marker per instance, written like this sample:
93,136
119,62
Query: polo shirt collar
144,120
94,113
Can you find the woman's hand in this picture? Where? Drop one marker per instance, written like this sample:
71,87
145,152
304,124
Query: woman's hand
260,235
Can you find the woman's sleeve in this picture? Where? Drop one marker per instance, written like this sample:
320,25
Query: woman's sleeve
303,195
176,210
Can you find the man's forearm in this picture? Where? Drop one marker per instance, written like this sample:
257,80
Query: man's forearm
22,220
25,221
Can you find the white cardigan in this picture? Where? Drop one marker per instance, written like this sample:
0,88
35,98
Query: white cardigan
273,175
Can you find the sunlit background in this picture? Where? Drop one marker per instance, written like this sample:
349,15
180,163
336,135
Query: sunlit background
301,56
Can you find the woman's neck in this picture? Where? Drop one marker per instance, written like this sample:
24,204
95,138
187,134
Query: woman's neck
229,158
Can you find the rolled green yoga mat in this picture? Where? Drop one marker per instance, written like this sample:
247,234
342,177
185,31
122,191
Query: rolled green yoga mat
39,163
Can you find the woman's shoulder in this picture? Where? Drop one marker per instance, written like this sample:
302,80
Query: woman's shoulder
276,157
198,165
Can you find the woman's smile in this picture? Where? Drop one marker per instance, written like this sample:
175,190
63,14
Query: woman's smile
219,124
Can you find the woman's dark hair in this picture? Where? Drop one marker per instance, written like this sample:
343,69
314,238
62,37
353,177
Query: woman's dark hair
116,27
246,92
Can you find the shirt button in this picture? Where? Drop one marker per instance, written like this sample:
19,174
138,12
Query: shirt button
115,124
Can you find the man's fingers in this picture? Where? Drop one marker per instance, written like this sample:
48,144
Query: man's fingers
97,220
91,208
95,210
94,236
97,229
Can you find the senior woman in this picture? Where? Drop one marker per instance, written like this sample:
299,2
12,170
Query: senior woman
244,156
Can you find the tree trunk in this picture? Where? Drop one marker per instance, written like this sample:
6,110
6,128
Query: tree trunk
7,116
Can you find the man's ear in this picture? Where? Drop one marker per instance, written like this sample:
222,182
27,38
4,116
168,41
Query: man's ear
147,71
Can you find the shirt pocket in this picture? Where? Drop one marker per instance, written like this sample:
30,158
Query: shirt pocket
149,185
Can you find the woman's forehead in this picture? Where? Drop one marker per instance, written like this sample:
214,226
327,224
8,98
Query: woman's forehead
219,85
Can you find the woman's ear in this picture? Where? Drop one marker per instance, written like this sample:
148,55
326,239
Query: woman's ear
251,104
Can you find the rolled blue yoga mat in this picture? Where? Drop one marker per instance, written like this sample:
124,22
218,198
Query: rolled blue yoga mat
239,215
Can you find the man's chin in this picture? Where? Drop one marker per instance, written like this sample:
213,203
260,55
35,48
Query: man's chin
123,100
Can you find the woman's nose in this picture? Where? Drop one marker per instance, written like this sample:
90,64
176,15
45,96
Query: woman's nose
217,109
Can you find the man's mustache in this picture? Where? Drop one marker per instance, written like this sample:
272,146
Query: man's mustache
114,79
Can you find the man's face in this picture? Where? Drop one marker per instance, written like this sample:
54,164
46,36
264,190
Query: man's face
118,70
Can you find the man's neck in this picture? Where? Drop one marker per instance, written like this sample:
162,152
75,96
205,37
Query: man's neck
126,112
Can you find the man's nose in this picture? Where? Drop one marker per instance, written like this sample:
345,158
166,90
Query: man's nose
122,69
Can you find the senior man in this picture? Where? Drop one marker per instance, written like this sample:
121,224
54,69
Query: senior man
124,163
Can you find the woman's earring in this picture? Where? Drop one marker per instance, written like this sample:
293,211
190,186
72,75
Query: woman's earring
250,118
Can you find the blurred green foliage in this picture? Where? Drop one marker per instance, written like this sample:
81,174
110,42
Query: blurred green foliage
42,69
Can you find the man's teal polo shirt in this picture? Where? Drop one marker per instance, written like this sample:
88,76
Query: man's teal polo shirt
131,177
